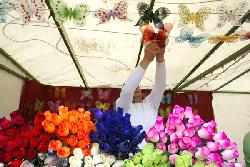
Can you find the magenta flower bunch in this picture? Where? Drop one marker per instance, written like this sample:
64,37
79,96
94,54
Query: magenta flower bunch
185,131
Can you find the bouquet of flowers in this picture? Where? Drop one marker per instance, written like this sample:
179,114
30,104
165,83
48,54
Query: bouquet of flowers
185,160
149,156
187,131
115,134
97,159
71,129
20,140
76,159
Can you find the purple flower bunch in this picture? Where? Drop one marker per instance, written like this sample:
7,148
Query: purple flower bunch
184,130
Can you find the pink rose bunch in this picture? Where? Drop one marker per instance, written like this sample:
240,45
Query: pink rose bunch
184,130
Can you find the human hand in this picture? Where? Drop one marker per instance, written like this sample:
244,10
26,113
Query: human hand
160,57
151,50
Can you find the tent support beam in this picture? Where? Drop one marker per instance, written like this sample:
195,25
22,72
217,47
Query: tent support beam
7,69
141,45
236,54
6,55
232,30
232,92
238,76
227,92
67,43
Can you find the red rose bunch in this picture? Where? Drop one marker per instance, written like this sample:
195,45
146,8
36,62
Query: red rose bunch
20,140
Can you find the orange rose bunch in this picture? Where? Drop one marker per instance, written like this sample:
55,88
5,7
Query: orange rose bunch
71,128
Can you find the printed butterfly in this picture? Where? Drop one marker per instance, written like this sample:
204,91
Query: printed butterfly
167,99
234,37
193,99
186,34
85,105
53,107
119,11
38,105
246,36
103,94
102,106
225,14
5,6
198,18
64,13
164,113
30,8
148,34
147,16
86,94
60,92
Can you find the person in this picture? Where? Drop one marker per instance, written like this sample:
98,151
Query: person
144,111
246,149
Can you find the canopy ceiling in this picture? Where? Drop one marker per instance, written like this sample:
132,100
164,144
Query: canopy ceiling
107,53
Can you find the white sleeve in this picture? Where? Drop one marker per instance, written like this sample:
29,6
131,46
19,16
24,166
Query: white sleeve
155,96
127,93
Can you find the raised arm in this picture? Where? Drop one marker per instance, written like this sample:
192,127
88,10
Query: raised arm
126,96
155,96
133,81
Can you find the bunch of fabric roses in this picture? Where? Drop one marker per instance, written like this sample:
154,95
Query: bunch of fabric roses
20,140
149,156
187,131
98,159
115,134
71,129
185,160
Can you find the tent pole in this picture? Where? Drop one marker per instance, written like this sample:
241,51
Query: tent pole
5,68
232,92
236,54
232,30
139,54
141,45
67,43
238,76
6,55
227,92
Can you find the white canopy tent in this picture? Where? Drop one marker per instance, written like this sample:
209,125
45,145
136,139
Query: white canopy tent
107,54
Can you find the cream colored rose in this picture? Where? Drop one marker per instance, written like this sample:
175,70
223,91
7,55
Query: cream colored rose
95,149
78,153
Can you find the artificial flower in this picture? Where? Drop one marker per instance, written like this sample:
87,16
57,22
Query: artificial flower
63,152
109,159
72,140
185,131
73,127
185,160
55,145
48,126
95,149
56,119
78,153
115,134
63,129
229,154
118,163
75,162
137,158
63,112
98,159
